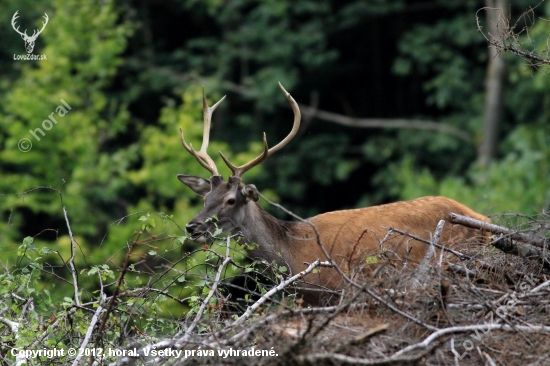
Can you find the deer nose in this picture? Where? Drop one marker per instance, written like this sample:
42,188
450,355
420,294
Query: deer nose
191,227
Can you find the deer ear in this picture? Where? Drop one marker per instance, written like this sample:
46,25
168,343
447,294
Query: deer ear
199,185
250,193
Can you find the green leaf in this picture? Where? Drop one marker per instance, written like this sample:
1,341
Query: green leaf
371,259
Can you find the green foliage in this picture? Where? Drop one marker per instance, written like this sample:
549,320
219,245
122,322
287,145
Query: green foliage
37,312
519,182
445,51
84,44
270,41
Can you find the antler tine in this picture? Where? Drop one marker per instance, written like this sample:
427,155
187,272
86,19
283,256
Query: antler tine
239,171
201,155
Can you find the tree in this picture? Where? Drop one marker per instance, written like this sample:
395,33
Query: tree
496,75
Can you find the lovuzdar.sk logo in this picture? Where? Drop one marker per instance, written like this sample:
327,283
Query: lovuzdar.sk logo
29,40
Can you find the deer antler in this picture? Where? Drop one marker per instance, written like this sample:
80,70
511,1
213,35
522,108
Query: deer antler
13,19
43,26
201,155
240,170
24,34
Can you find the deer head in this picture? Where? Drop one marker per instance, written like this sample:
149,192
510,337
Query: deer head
29,40
227,205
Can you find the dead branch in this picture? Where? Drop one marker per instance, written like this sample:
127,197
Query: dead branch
332,358
394,123
20,358
495,229
525,251
472,328
508,37
276,289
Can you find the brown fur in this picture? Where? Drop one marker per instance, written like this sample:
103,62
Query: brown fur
353,238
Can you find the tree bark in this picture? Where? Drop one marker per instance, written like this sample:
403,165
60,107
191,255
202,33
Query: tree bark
496,73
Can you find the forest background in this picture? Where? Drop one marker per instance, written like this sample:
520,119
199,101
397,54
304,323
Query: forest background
394,97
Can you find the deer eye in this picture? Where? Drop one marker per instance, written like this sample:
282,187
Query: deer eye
231,201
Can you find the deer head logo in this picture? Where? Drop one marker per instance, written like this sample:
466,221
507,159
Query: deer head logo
29,40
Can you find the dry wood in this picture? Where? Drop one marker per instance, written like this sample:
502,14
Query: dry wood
495,229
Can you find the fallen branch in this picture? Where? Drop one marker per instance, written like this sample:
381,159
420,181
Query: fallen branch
338,358
495,229
525,251
471,328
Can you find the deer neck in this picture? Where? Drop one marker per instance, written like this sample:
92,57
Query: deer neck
270,234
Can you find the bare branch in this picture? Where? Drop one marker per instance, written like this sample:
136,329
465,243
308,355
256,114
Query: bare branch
71,260
495,229
276,289
89,332
311,112
210,294
509,35
394,123
471,328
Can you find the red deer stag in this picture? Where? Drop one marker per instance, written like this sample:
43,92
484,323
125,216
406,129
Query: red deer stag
351,237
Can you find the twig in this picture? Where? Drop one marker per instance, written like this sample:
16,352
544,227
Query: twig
337,358
14,326
89,332
210,294
135,243
490,361
540,287
71,260
276,289
335,314
431,250
471,328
